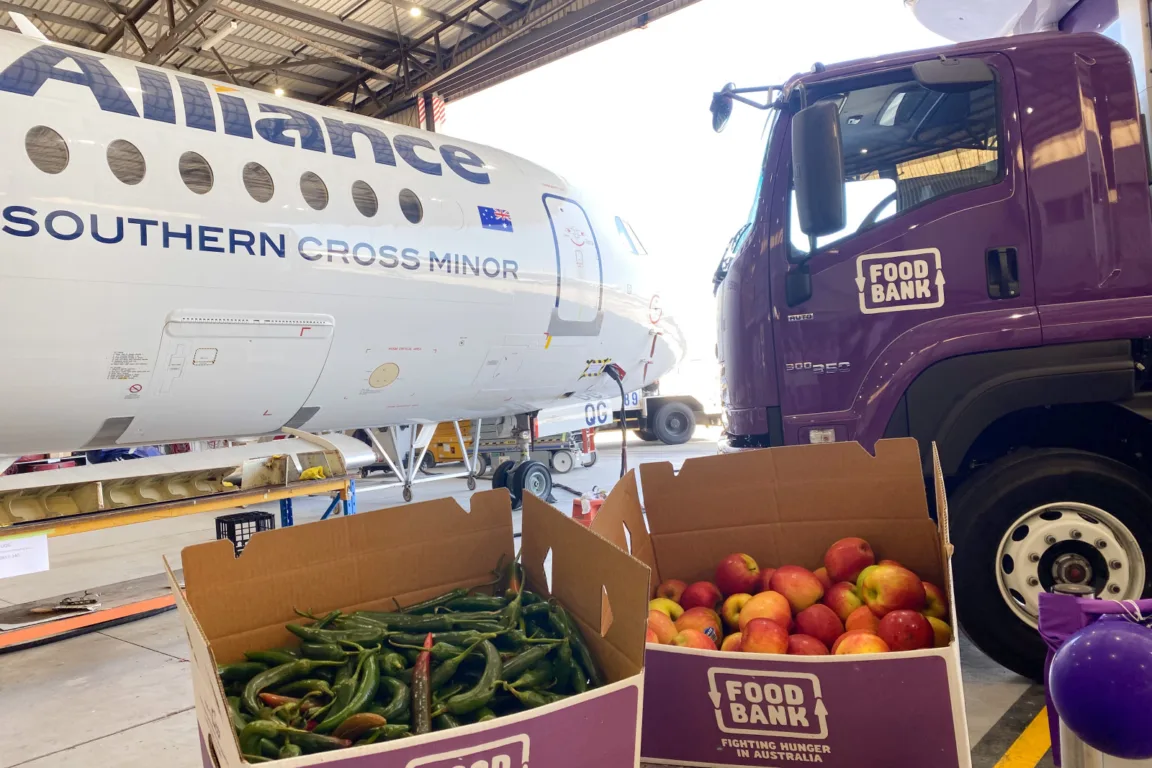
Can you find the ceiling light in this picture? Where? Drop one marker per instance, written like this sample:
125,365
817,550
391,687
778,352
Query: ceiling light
279,91
415,11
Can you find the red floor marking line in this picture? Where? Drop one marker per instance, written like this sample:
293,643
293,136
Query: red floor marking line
41,631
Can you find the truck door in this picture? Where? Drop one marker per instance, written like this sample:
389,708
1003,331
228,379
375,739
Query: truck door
935,260
578,308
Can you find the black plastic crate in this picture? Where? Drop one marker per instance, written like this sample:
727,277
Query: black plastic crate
238,528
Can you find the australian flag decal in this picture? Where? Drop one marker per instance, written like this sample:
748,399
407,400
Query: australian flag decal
495,218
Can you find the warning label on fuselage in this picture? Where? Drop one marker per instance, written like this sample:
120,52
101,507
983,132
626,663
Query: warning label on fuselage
900,281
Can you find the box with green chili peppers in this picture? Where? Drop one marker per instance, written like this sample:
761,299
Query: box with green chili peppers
418,637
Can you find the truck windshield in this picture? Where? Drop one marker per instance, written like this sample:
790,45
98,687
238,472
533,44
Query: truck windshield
905,146
738,239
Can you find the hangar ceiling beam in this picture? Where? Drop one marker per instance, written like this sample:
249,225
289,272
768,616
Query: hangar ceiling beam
56,18
109,40
186,26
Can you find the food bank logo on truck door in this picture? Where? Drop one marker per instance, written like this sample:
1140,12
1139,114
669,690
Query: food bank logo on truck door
506,753
900,281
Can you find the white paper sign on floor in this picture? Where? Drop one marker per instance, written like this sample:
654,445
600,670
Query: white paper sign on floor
23,553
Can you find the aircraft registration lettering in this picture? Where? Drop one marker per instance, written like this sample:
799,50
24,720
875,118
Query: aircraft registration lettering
28,74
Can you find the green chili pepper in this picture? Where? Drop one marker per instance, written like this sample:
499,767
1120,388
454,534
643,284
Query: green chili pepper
531,598
532,699
445,721
435,602
537,677
398,698
269,749
290,750
440,651
362,636
385,733
535,610
277,676
477,603
271,658
235,715
447,669
480,694
456,637
323,651
524,661
564,666
368,682
392,663
301,688
241,672
568,628
255,731
484,714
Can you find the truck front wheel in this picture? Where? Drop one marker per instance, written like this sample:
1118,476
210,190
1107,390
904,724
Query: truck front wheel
1037,518
674,423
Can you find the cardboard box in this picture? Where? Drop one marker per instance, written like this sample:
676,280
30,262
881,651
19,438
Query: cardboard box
786,506
411,553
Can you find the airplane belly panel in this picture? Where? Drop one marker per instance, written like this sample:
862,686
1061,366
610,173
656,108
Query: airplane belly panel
230,373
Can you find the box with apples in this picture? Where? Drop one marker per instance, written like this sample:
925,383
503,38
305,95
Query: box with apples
802,609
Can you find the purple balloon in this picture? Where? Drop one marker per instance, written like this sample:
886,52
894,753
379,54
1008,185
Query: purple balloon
1101,685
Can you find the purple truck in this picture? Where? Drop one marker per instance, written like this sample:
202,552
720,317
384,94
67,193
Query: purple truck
956,245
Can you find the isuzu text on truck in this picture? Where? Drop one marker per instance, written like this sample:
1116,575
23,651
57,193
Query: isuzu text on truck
956,245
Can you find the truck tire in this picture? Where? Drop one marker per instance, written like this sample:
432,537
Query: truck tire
647,435
1036,518
674,423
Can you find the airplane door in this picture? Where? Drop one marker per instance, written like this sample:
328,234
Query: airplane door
223,374
579,305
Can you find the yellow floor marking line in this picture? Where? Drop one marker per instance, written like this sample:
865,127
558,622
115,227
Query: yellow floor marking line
1030,748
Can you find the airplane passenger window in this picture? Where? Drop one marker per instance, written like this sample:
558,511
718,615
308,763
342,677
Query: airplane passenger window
410,206
46,149
196,173
258,182
126,162
364,198
314,190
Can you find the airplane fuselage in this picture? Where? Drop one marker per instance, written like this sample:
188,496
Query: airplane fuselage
182,259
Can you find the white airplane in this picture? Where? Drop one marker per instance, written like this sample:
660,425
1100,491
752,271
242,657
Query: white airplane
182,259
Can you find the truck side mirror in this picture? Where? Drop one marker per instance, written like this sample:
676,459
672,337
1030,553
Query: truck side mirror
953,75
818,169
722,107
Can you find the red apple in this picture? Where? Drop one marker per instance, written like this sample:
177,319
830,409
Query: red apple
737,573
862,619
806,645
842,599
799,586
847,557
849,633
702,594
889,562
671,589
703,620
892,588
661,626
732,607
863,575
766,575
767,605
936,605
825,581
669,608
763,636
906,631
863,642
942,633
820,622
732,642
691,638
650,637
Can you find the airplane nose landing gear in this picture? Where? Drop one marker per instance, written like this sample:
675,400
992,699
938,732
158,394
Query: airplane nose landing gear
525,475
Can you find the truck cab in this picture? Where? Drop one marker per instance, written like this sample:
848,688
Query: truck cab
956,245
